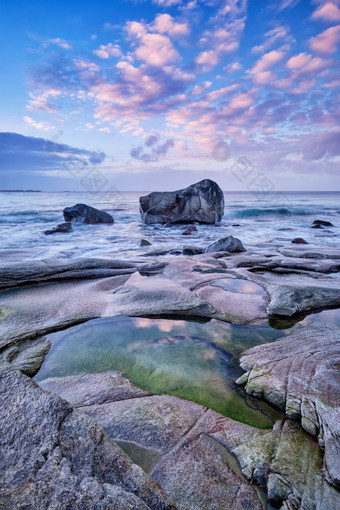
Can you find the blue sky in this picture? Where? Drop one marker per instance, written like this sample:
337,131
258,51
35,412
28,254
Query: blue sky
159,94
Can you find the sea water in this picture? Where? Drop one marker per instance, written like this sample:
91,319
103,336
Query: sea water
271,220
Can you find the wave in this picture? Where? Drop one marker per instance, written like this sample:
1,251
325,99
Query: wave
28,217
279,211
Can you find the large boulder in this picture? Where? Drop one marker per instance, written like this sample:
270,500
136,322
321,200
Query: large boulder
83,213
202,202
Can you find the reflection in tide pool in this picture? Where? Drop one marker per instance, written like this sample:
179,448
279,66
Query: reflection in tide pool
192,360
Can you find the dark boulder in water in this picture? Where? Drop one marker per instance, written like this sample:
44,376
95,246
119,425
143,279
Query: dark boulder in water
322,223
62,227
83,213
192,250
189,231
299,240
202,202
145,242
230,244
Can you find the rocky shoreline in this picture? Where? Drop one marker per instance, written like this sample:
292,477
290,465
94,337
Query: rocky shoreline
98,441
199,458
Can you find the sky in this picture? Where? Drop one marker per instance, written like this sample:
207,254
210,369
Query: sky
159,94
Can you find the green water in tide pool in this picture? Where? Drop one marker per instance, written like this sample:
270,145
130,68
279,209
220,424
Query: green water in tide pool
196,361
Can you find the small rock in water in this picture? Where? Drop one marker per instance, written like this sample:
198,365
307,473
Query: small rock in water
189,231
230,244
299,240
322,223
192,250
62,227
236,225
145,242
83,213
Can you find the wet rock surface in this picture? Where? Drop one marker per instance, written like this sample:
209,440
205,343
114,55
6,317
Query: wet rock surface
299,374
228,244
202,202
82,213
62,227
54,455
202,459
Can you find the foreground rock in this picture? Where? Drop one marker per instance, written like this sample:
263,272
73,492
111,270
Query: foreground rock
53,456
229,244
82,213
168,430
199,457
300,374
62,227
202,202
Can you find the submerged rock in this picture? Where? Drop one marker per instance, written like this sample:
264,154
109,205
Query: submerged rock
202,202
299,240
83,213
189,231
145,242
62,227
322,223
229,244
192,250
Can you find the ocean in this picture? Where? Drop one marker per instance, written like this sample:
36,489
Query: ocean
261,221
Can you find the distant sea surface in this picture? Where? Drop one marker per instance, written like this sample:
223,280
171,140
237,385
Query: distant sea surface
273,220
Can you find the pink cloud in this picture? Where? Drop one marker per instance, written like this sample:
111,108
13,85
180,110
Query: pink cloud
273,36
43,125
167,3
110,50
267,61
264,77
199,89
328,12
298,61
156,50
165,24
326,42
240,101
303,87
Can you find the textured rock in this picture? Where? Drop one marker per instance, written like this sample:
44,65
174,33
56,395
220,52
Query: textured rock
300,375
37,271
288,464
26,357
82,213
228,244
62,227
202,202
315,252
190,468
55,457
294,295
